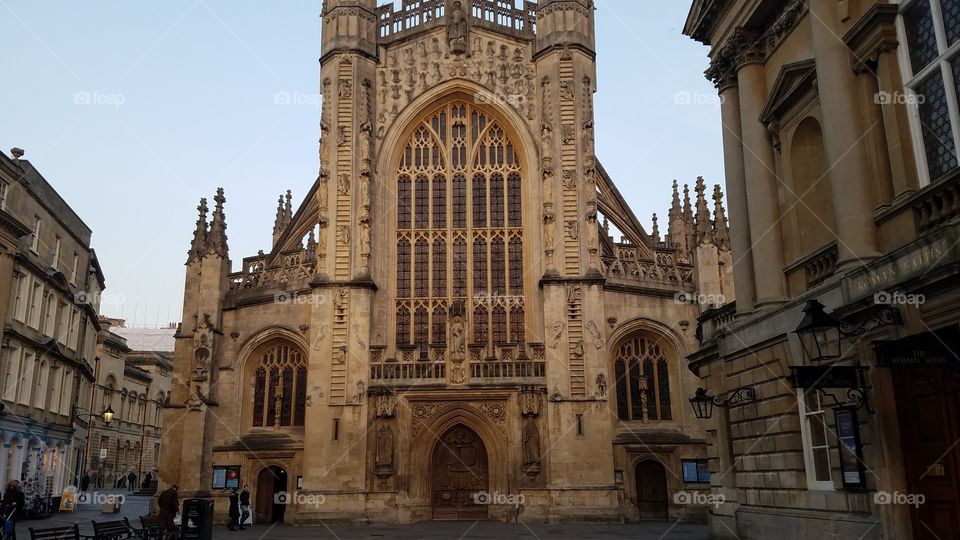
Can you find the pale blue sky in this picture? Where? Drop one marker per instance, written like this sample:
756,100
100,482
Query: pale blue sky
182,101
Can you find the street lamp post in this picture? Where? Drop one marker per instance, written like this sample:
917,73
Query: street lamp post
106,416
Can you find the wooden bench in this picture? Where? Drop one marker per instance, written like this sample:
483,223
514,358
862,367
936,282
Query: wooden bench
113,530
154,528
71,532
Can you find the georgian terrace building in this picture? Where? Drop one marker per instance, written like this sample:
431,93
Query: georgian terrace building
49,296
840,133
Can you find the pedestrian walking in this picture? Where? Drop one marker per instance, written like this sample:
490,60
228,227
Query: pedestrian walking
244,506
234,509
168,504
131,481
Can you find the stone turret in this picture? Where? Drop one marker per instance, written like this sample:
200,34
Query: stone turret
198,247
349,26
565,23
187,461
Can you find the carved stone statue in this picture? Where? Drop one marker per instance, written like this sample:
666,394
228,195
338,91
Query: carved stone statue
531,443
384,458
601,385
343,234
457,31
457,339
343,184
364,248
366,135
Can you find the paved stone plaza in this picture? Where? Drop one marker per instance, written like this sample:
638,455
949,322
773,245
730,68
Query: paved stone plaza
134,507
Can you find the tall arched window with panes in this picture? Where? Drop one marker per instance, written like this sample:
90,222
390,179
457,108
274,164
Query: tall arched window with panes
459,230
279,387
643,380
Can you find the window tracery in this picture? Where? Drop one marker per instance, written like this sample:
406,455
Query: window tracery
459,230
280,388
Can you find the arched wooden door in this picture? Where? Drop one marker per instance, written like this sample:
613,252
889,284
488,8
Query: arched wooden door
268,507
459,476
651,480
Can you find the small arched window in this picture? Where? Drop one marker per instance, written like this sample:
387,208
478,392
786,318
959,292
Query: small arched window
280,388
643,381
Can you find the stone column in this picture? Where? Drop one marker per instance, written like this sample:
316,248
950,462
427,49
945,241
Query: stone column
879,156
742,255
759,168
845,145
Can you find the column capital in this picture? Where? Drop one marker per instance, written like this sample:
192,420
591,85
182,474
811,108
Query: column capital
874,34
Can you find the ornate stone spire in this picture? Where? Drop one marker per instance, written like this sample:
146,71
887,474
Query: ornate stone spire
675,228
217,240
721,231
288,210
656,229
278,221
198,247
687,207
703,225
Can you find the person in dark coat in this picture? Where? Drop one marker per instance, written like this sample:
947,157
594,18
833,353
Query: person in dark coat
147,480
85,482
168,505
131,481
234,509
244,506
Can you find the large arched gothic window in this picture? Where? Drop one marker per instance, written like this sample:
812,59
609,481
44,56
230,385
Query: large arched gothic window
280,388
459,230
640,363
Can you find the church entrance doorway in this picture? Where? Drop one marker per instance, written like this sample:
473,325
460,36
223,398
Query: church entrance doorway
651,490
459,476
269,508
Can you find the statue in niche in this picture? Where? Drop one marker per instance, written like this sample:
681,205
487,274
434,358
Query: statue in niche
588,140
549,228
365,192
601,385
366,133
364,248
546,136
384,457
457,338
324,144
531,443
361,391
457,29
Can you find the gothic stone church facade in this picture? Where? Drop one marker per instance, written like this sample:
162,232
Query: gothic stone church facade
446,313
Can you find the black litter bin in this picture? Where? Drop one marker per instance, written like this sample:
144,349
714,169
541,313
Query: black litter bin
197,519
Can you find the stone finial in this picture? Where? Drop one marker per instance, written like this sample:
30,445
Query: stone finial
703,225
655,231
288,209
217,242
198,247
675,211
721,230
278,224
17,153
687,207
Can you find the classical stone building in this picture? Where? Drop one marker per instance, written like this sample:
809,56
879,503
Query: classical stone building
840,134
447,313
133,370
49,297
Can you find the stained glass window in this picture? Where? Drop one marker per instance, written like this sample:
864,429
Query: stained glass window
459,222
640,361
280,379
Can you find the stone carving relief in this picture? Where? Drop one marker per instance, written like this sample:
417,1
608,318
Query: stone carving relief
594,330
424,412
408,71
557,333
385,404
361,391
530,401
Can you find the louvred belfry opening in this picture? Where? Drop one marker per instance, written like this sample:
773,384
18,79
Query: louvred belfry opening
459,230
